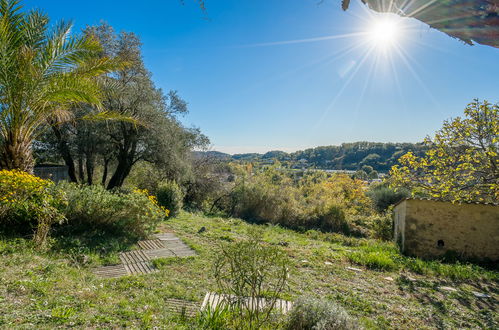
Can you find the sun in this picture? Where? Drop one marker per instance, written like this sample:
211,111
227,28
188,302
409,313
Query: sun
384,32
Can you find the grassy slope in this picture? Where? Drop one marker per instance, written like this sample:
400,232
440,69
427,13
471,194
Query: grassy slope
53,289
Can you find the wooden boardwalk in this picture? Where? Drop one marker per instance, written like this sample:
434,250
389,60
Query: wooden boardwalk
213,300
164,245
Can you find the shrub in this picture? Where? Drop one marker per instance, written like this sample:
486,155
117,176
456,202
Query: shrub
29,203
170,196
384,196
248,270
333,220
383,226
92,207
318,314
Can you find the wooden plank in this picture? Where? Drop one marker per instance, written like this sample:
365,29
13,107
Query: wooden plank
110,271
151,244
188,308
164,245
213,300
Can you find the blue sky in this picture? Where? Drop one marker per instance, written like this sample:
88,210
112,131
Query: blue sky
252,86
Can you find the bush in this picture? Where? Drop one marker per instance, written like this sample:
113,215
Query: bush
333,220
93,207
383,226
29,203
383,196
318,314
170,196
248,270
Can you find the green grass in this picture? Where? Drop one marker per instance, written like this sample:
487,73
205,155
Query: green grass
55,288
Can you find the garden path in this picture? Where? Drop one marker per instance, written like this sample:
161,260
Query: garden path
164,245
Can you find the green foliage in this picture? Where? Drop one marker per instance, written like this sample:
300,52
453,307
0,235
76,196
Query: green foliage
219,318
333,220
462,163
348,156
90,207
383,196
379,256
314,200
383,226
29,203
318,314
171,196
248,270
374,260
44,72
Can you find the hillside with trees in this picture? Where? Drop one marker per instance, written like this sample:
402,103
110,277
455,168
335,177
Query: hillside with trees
347,156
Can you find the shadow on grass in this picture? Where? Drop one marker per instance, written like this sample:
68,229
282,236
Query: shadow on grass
429,293
91,246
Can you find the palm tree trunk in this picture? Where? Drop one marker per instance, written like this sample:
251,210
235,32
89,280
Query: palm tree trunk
16,153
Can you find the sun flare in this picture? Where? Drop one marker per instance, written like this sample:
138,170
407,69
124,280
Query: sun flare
384,32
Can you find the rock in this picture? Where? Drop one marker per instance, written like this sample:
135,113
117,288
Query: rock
328,263
480,295
202,230
354,269
388,278
448,288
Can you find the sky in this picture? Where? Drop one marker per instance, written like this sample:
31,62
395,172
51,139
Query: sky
262,75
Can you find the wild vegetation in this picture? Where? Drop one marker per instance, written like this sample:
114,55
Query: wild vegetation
260,229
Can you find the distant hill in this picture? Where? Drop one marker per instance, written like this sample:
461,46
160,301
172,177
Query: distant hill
213,154
347,156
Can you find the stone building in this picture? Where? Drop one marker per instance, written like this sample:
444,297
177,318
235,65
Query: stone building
52,172
430,229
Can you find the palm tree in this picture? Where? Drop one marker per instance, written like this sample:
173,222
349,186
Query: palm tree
44,72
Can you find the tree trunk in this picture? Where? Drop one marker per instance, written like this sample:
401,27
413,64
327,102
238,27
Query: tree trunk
121,172
81,172
90,169
105,171
63,147
17,154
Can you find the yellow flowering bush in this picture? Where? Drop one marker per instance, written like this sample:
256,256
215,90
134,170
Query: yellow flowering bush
28,203
154,206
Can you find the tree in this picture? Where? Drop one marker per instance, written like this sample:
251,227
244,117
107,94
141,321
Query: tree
462,163
43,73
148,129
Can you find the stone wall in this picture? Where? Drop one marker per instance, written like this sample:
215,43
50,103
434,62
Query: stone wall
55,173
429,229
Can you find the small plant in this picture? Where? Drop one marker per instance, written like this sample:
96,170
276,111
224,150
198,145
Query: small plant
374,260
318,314
247,271
218,318
170,196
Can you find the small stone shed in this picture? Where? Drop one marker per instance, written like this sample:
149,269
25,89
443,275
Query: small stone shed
429,229
55,173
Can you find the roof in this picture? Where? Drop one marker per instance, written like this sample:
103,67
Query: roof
440,200
471,21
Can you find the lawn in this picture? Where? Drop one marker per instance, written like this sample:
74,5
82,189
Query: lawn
369,278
